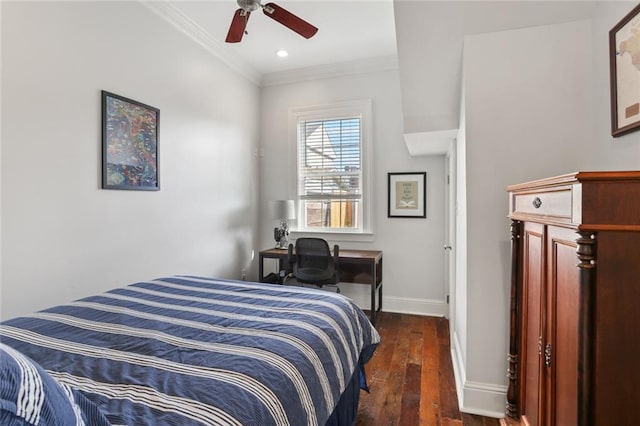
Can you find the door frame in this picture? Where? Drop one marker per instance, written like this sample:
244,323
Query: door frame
450,233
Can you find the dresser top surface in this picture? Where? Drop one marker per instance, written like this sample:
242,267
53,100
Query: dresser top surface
576,177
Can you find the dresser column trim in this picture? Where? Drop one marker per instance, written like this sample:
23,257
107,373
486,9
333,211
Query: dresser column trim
586,252
512,407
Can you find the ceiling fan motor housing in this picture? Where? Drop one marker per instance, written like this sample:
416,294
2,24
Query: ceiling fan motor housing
249,5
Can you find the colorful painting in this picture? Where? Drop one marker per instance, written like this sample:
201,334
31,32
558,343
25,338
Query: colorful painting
129,144
407,195
624,43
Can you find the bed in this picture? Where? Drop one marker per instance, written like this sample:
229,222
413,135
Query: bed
192,350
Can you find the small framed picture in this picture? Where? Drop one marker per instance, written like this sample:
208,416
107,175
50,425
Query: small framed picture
129,144
624,62
407,194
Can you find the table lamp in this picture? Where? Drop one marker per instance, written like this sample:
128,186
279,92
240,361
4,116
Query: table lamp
282,210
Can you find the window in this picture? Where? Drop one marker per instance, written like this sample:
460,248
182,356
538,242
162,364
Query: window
332,167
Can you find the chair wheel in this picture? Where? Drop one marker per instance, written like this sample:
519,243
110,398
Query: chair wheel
337,290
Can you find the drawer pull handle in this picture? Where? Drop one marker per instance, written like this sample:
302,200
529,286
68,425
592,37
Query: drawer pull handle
537,202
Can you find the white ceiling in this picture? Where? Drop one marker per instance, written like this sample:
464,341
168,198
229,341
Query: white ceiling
360,35
348,31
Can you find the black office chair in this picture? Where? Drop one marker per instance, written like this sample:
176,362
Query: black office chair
313,263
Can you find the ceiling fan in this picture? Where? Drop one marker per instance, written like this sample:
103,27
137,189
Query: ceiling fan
273,11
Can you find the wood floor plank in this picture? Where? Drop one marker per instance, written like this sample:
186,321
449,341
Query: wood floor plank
506,421
430,376
469,420
416,344
451,422
391,405
377,370
442,327
448,396
411,376
410,402
490,421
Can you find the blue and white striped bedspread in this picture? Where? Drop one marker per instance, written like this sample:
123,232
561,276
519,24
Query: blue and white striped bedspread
188,350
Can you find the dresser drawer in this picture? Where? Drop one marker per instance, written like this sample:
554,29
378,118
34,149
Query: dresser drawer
556,202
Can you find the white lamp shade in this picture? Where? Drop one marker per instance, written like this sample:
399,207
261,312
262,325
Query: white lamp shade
282,209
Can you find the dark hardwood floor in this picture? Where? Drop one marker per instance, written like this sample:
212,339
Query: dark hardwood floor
411,376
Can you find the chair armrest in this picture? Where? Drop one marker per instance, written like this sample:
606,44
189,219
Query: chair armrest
290,256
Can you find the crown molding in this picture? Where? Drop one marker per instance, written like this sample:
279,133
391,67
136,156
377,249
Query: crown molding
362,66
187,26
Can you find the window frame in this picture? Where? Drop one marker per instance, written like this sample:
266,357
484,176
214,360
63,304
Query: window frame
349,109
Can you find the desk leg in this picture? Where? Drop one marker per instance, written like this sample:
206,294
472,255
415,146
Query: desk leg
374,279
376,288
260,268
380,288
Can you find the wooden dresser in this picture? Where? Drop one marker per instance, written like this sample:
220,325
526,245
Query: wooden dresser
574,352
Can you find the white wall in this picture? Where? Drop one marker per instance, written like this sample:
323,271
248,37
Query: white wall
64,237
413,255
528,114
430,36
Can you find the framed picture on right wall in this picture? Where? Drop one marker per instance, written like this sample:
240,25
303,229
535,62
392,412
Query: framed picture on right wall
624,63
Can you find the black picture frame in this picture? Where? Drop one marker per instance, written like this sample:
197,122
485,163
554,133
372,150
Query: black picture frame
407,195
625,76
130,136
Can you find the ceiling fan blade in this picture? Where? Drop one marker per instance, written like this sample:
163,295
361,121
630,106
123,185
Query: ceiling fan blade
289,20
238,24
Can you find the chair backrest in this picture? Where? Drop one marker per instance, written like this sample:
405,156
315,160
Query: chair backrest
314,262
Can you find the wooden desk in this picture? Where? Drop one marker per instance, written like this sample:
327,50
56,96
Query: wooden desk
356,266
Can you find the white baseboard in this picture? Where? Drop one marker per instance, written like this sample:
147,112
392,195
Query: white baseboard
484,399
361,294
404,305
459,372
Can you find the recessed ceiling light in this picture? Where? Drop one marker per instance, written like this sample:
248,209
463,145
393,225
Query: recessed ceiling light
282,53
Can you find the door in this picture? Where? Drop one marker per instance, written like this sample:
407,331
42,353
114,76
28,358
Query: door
531,403
561,347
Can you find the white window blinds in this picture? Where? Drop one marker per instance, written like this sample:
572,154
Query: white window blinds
330,172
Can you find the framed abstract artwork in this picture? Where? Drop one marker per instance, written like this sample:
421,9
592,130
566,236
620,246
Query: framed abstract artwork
624,63
129,144
407,194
